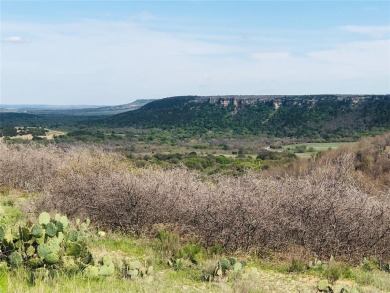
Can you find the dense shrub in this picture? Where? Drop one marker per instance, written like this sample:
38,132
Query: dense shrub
321,206
27,167
373,159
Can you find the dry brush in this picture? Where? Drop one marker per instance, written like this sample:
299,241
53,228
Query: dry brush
324,207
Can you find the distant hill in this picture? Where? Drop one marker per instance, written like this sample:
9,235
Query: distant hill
292,116
74,110
59,121
110,110
61,117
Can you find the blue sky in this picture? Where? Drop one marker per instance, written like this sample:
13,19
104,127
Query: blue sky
114,52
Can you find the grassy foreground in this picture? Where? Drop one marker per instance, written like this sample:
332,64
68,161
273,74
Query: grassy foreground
271,275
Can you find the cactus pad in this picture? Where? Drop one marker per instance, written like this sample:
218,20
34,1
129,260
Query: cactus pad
51,230
44,218
59,226
64,221
224,264
43,250
73,249
30,251
133,274
107,270
35,262
91,272
150,270
237,267
73,235
15,259
52,258
36,231
135,265
323,286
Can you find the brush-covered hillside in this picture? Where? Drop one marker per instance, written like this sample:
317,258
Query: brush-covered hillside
301,116
84,219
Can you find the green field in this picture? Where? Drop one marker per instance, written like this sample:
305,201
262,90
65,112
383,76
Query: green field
313,147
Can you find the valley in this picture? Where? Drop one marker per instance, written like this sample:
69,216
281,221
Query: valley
216,194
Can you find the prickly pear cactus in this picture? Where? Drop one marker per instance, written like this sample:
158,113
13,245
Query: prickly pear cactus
223,269
54,245
51,243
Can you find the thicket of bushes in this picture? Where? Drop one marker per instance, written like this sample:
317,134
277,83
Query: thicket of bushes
336,204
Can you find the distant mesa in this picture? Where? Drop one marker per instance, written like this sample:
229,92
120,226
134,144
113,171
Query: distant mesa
279,115
314,116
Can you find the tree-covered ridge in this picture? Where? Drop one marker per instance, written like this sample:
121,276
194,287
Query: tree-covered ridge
320,115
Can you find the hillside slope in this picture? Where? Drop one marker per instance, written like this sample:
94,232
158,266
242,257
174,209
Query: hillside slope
302,116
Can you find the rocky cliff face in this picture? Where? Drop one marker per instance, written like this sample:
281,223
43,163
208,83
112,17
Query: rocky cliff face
278,100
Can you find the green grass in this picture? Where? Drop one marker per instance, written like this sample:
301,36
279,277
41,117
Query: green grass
259,276
126,244
323,146
164,281
316,147
9,212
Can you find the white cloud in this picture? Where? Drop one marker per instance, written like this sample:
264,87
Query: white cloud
373,31
370,59
115,62
14,39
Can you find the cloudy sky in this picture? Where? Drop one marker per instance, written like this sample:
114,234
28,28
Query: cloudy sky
114,52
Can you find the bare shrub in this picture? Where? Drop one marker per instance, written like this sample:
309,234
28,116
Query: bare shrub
373,160
322,207
27,167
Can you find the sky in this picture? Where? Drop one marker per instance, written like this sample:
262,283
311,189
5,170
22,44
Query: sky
114,52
